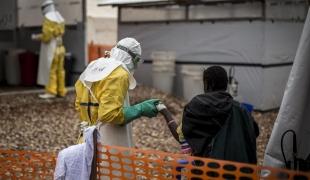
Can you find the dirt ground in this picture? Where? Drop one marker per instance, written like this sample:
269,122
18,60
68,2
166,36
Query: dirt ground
27,122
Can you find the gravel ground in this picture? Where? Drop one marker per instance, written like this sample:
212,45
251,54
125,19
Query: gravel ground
27,122
4,88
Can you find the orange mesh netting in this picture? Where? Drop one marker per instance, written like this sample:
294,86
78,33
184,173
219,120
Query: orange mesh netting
26,165
126,163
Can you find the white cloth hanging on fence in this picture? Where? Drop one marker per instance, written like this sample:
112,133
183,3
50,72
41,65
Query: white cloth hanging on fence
74,162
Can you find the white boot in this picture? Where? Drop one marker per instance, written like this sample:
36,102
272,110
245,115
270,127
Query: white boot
47,96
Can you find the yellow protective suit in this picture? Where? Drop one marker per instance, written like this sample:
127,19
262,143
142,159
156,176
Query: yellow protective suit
107,105
56,83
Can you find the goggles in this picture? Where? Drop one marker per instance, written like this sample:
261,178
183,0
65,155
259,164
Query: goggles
136,58
45,6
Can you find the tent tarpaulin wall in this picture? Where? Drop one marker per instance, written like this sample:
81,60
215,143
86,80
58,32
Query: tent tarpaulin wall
29,12
255,37
295,108
119,2
261,51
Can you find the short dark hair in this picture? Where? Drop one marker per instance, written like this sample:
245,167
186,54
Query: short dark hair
215,79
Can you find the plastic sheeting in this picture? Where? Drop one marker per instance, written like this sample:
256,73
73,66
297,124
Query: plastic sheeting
152,14
228,10
289,9
241,42
295,108
29,12
115,2
254,44
195,12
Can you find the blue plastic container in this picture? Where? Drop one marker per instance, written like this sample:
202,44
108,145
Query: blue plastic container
248,107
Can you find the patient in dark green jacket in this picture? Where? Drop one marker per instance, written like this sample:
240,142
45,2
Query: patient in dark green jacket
216,126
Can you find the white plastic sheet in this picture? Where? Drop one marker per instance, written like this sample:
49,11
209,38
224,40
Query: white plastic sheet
288,10
295,108
109,2
152,14
246,10
29,12
257,42
242,42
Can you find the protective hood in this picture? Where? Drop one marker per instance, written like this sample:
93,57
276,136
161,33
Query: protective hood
123,56
54,16
47,6
49,11
102,68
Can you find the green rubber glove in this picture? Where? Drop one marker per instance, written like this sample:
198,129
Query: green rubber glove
149,107
146,108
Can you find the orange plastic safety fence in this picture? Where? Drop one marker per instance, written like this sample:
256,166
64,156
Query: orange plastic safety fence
126,163
26,165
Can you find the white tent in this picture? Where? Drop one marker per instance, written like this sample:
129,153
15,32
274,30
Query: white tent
259,40
295,109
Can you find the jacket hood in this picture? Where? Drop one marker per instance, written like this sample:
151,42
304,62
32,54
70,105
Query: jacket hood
210,104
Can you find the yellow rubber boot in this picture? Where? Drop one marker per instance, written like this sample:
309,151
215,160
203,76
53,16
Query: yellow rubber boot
51,87
56,83
61,89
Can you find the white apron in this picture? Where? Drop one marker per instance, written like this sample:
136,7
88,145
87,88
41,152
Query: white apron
110,134
116,135
47,51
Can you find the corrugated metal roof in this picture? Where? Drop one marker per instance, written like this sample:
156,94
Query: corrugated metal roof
123,2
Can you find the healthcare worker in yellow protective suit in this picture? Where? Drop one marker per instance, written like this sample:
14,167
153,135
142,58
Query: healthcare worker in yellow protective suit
51,72
102,94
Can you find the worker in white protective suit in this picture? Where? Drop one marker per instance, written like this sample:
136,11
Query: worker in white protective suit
102,94
51,73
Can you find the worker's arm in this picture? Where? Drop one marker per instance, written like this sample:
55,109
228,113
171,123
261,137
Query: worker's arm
47,34
146,108
112,93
